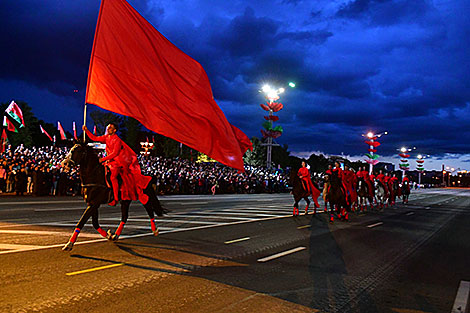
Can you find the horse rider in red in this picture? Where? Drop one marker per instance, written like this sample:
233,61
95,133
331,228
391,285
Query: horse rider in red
381,179
348,182
304,175
326,185
122,160
366,177
393,194
406,185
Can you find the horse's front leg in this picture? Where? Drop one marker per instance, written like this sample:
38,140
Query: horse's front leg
89,211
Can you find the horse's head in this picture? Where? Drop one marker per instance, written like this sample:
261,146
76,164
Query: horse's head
76,156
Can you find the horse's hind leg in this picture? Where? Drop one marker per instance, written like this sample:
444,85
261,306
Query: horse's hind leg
296,206
125,204
308,204
150,211
89,211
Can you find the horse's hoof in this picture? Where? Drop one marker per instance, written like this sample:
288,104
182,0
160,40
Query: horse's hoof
68,246
155,232
114,237
109,235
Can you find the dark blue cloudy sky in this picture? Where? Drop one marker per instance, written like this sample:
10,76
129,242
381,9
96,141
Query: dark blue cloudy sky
400,66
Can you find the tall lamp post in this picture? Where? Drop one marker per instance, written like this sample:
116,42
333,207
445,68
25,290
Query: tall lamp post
404,165
269,132
420,165
371,140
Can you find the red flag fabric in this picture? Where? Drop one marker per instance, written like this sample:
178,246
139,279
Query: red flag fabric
74,131
9,125
61,130
135,71
4,141
45,133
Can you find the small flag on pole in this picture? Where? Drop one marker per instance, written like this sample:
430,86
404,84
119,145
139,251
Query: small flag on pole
15,113
4,141
45,133
74,131
61,130
9,125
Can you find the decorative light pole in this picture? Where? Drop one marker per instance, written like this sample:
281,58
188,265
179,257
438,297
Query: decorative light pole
373,144
420,165
270,133
404,165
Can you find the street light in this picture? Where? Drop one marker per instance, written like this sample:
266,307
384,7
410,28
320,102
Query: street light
373,144
272,95
404,165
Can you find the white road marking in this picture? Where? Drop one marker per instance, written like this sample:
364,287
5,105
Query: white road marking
376,224
281,254
237,240
43,232
410,213
427,208
461,300
192,203
42,202
61,209
213,213
17,247
189,222
214,217
174,230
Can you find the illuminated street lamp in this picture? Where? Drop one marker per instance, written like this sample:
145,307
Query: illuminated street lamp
420,165
404,165
272,95
371,140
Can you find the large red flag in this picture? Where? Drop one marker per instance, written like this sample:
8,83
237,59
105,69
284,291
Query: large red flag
135,71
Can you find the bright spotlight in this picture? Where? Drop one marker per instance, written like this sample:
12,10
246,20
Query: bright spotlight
281,90
266,88
420,156
370,134
291,84
403,149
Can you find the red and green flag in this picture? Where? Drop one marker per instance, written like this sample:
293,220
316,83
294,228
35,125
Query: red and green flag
74,131
15,113
61,130
9,124
45,133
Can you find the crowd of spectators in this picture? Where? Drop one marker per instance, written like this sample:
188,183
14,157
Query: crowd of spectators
37,171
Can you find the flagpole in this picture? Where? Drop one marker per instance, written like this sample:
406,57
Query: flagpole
91,64
84,122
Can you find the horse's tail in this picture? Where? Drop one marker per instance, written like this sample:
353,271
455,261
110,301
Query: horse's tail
158,209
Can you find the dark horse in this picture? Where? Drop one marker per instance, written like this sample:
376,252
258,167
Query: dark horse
337,198
96,192
405,191
299,192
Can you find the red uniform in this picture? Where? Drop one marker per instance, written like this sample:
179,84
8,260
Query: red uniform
349,179
121,160
365,175
304,174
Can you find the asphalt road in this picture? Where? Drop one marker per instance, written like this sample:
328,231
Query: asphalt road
236,253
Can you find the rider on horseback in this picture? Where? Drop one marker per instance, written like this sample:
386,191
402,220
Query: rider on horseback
122,161
304,175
